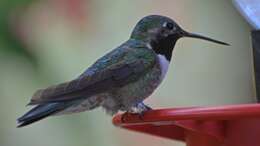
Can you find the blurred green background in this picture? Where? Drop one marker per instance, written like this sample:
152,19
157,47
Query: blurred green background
44,42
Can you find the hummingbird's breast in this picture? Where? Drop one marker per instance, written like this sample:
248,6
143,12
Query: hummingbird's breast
164,65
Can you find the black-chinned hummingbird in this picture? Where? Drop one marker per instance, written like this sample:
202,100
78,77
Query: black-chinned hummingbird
120,80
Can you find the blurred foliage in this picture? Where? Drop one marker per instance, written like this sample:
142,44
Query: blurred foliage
9,42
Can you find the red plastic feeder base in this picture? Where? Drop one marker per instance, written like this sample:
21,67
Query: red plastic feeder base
233,125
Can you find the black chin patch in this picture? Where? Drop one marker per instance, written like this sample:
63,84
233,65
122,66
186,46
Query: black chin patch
164,46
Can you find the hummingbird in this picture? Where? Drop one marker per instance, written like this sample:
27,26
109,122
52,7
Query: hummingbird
121,79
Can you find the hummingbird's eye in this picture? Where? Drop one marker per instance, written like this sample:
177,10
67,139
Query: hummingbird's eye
169,25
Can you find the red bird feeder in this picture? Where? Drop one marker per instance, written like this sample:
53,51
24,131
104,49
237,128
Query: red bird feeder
233,125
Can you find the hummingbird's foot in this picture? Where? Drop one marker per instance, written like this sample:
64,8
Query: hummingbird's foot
140,109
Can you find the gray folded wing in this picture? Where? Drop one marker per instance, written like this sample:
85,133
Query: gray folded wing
115,76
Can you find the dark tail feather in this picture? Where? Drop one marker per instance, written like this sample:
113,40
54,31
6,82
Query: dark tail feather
39,112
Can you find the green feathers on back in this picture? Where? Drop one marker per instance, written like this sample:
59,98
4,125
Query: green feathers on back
128,52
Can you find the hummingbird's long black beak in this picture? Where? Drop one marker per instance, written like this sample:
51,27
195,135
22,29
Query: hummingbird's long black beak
193,35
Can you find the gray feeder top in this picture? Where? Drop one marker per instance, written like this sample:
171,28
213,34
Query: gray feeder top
250,9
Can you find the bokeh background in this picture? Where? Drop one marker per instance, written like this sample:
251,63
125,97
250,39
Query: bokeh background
44,42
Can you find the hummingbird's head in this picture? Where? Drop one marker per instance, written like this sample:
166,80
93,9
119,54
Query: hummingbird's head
162,33
155,28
